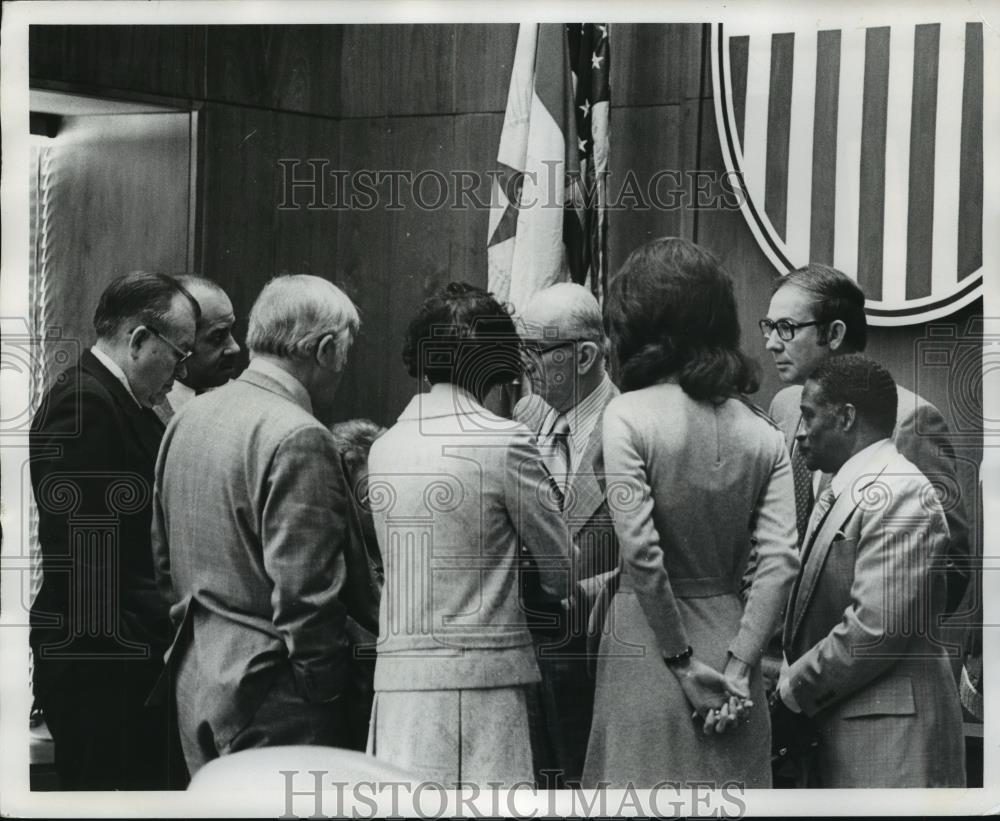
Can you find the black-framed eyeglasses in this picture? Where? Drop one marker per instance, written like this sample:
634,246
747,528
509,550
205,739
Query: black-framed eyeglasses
537,347
182,355
785,327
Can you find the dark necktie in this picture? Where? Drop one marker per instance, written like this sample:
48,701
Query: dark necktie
559,437
802,477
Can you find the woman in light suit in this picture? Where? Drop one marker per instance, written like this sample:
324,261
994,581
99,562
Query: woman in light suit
695,473
455,493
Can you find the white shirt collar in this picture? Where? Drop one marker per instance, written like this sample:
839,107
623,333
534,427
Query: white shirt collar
116,372
859,464
283,378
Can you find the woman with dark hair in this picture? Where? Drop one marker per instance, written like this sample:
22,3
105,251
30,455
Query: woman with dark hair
454,491
695,475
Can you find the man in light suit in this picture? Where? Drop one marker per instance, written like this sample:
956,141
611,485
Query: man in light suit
861,658
249,523
98,626
564,354
815,313
213,357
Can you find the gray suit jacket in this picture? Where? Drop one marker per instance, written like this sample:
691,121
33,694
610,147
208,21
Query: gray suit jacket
857,637
922,436
248,533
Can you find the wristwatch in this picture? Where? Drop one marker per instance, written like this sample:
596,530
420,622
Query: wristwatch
681,659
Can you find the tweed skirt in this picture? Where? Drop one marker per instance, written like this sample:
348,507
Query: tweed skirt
477,736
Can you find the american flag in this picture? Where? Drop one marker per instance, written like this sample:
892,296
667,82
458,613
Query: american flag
866,148
548,221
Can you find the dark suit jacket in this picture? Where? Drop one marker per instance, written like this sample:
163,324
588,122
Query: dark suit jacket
92,455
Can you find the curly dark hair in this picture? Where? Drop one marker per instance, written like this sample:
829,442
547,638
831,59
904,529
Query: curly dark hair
670,310
859,380
464,336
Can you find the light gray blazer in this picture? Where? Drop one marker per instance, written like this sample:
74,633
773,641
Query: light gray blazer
856,637
248,533
690,486
454,489
922,436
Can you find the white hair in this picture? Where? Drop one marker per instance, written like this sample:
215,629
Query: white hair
295,311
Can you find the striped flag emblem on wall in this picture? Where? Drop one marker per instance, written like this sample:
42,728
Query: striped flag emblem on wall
547,219
863,148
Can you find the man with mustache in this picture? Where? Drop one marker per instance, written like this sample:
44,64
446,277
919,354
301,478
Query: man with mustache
213,358
862,660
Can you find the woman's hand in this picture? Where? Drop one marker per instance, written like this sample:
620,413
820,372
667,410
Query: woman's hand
703,686
721,699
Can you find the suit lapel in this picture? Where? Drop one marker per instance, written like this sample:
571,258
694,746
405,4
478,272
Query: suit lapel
843,507
145,425
586,484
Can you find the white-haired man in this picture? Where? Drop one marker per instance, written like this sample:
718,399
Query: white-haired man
248,533
563,345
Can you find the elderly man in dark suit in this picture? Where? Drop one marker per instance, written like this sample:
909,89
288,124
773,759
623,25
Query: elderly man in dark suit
862,661
249,526
564,354
99,627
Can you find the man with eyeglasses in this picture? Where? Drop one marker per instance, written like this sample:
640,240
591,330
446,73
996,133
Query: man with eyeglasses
563,353
816,313
213,359
249,535
98,626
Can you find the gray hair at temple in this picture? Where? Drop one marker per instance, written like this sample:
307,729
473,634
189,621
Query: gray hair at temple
295,311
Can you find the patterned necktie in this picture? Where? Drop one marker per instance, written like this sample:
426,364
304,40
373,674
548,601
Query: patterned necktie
802,477
820,511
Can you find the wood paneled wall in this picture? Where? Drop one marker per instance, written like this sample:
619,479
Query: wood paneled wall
422,98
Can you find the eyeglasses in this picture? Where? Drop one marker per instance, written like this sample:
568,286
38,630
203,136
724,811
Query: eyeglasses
785,327
537,348
182,355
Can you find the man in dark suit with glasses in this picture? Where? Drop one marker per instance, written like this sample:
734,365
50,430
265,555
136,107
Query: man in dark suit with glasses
98,625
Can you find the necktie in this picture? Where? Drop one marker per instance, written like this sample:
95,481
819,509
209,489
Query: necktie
823,506
819,514
802,477
559,438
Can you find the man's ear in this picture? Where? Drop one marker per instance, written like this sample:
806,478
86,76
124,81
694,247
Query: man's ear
589,353
137,339
329,354
848,417
835,334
